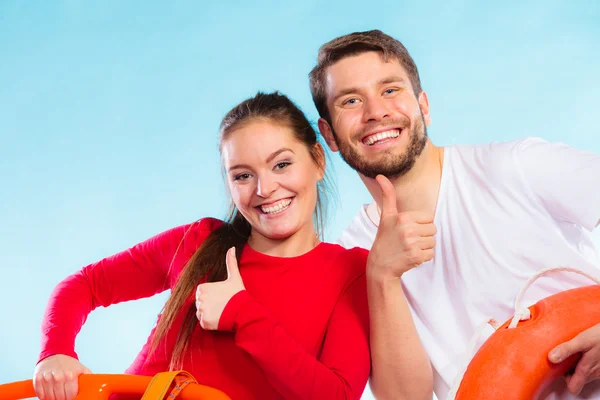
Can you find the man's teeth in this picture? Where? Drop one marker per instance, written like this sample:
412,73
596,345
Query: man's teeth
276,207
370,140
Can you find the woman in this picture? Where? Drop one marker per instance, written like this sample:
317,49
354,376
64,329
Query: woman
290,322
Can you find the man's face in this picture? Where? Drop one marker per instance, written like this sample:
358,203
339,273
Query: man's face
378,124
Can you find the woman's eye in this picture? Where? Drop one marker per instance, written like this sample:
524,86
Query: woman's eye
282,165
241,177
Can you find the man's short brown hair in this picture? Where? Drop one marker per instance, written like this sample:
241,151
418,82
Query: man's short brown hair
351,45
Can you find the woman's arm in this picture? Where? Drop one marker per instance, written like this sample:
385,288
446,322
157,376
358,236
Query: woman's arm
342,369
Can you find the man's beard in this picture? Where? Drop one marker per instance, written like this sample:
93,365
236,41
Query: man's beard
388,164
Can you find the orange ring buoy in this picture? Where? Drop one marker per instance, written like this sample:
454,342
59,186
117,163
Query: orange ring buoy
102,386
513,362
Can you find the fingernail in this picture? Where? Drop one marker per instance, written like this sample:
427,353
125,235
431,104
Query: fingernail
555,355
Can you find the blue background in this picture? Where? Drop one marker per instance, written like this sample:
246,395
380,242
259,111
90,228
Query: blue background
109,115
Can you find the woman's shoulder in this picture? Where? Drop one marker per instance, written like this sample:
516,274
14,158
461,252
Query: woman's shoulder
201,227
207,224
353,260
191,235
345,253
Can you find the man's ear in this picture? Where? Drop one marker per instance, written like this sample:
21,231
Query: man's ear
424,105
327,133
321,160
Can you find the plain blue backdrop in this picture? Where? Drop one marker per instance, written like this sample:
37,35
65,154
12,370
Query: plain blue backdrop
109,115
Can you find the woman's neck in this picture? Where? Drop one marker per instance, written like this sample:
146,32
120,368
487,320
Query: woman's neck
301,242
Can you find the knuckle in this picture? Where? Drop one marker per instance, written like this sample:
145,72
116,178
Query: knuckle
565,350
582,372
404,218
47,376
59,377
414,256
405,234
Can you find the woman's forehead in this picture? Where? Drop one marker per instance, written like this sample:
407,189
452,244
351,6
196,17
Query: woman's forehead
258,140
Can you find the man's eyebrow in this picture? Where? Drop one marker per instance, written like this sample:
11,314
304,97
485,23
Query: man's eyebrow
384,81
392,79
344,92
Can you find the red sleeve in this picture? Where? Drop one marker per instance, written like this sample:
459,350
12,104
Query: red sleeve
342,369
141,271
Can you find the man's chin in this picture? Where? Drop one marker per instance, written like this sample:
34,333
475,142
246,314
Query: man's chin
389,171
391,177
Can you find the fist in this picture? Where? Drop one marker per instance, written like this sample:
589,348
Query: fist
211,298
403,241
56,377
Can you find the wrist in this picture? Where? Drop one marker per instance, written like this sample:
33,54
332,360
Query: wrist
228,318
382,275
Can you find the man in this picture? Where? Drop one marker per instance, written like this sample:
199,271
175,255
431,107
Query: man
503,211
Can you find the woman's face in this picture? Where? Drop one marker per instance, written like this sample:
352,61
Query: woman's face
272,179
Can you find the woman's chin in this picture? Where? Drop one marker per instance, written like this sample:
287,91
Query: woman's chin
279,234
279,230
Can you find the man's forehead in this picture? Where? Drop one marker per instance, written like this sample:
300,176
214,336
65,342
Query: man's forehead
362,70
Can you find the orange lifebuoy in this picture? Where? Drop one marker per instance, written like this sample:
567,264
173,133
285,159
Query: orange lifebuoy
513,362
101,387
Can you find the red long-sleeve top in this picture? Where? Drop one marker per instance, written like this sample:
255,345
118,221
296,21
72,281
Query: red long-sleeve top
298,331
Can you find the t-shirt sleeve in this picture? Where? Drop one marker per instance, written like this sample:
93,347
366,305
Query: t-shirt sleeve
341,370
565,179
138,272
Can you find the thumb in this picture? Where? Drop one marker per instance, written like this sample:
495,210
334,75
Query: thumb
567,349
388,196
86,370
233,271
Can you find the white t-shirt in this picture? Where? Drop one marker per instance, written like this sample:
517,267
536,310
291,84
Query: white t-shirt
505,211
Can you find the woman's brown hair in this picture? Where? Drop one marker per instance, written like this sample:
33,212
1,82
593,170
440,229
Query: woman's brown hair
209,259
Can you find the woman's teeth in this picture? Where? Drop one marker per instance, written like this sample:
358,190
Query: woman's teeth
370,140
276,207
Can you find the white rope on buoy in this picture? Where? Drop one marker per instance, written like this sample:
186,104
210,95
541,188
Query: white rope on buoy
523,314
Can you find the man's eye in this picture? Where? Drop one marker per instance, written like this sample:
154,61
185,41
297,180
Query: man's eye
351,102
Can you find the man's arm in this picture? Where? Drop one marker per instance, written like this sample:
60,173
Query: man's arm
563,178
400,366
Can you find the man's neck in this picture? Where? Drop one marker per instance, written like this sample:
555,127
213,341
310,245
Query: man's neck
417,190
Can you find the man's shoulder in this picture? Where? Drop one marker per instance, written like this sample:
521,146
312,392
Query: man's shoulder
495,148
491,161
360,232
